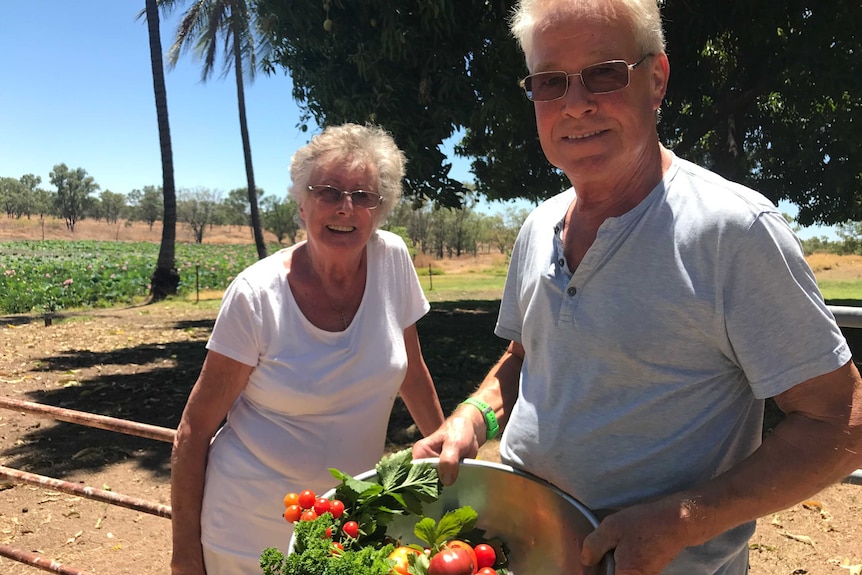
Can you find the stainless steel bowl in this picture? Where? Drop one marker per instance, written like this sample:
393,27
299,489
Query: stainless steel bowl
542,526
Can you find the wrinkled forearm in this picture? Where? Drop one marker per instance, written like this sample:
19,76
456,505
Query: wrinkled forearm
499,389
793,463
188,470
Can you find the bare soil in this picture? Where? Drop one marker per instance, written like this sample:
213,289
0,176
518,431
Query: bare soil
139,363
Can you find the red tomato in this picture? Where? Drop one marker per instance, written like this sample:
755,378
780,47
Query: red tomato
336,507
485,555
337,548
291,499
293,513
351,529
486,571
457,544
328,533
451,561
401,556
308,515
321,505
306,499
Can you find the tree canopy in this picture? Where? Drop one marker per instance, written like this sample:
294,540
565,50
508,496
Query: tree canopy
763,93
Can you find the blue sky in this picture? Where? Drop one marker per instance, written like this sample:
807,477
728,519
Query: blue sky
76,88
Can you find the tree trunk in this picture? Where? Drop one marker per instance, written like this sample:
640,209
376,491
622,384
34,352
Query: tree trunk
259,242
165,279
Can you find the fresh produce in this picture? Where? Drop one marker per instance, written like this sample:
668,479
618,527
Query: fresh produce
452,561
346,534
458,544
401,557
485,555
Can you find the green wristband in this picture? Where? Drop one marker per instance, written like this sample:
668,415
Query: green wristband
492,427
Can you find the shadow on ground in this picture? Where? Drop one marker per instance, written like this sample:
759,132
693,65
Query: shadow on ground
457,340
145,384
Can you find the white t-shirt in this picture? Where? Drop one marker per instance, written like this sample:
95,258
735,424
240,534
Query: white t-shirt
315,400
646,369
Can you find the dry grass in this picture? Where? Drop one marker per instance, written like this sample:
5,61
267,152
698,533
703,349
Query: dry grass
55,229
836,267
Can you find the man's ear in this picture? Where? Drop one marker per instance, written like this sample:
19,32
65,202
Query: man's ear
660,76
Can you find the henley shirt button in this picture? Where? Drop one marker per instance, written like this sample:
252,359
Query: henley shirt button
561,262
572,291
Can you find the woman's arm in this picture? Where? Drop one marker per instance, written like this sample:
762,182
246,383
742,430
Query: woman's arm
418,390
219,384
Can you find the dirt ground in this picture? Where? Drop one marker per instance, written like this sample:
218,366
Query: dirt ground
139,363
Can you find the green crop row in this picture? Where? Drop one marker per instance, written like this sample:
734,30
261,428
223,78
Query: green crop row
55,274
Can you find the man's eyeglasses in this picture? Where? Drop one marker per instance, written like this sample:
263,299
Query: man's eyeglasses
601,78
333,196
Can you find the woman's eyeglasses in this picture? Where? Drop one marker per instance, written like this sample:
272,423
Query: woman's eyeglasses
333,196
601,78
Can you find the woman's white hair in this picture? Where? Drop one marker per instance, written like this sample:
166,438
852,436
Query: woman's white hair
354,146
644,16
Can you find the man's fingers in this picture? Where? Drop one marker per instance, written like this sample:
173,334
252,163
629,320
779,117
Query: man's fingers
597,544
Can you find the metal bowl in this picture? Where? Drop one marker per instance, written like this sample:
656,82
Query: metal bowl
542,525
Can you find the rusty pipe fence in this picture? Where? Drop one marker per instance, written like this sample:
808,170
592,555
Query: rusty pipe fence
846,316
90,420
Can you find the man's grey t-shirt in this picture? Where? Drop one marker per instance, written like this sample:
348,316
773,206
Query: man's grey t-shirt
646,369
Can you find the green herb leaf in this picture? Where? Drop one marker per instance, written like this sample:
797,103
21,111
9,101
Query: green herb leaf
454,522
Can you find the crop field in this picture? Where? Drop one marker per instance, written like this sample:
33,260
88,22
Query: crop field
44,276
52,275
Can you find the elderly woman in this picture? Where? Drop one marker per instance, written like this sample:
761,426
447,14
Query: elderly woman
308,352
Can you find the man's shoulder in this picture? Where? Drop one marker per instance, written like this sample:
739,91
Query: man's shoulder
712,189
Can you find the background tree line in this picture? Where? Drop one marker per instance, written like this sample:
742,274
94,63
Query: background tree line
429,228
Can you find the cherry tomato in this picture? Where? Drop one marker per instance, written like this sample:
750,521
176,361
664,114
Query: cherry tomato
351,529
336,507
457,544
308,515
401,556
337,548
451,561
292,513
328,533
485,555
306,499
291,499
321,505
486,571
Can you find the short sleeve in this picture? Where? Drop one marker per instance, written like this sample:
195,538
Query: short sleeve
780,330
236,333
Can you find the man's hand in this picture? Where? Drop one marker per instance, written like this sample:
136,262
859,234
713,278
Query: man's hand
456,439
644,538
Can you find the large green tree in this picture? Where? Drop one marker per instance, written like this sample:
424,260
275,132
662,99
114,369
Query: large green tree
203,25
73,191
146,205
764,93
165,279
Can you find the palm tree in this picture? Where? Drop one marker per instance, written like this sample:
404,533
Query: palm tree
165,279
201,26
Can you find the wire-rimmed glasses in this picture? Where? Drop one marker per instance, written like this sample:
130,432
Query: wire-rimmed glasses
333,196
601,78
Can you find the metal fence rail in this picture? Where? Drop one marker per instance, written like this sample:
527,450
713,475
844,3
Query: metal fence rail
88,492
89,420
36,560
